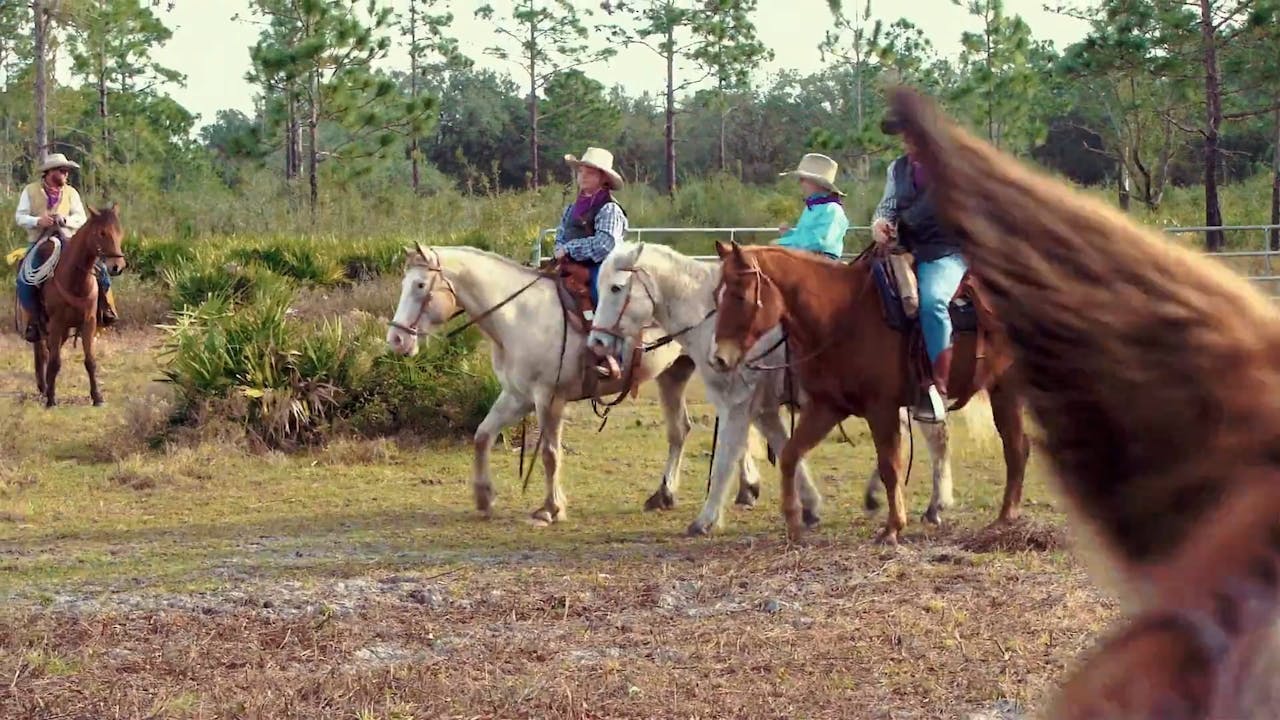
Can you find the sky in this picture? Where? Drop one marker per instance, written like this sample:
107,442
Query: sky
212,49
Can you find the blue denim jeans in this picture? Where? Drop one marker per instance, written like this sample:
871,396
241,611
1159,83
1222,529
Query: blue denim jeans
939,279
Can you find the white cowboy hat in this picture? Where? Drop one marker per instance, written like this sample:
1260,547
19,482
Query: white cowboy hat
818,168
599,159
55,161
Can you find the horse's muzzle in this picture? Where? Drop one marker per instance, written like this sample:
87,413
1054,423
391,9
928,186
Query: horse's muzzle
116,266
401,342
726,355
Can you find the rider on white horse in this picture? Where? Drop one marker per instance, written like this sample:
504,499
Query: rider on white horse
589,230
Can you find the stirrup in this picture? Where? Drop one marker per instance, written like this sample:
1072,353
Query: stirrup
933,409
609,369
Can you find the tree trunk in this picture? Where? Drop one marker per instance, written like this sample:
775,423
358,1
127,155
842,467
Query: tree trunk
724,124
1214,239
413,89
533,102
313,150
1123,186
1275,188
40,38
292,154
670,143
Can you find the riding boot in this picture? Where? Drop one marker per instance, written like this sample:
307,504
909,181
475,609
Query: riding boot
932,407
106,310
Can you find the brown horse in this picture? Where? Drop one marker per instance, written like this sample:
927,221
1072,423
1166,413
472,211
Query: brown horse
1153,374
69,299
850,362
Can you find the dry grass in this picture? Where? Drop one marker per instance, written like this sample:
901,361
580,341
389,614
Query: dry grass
203,581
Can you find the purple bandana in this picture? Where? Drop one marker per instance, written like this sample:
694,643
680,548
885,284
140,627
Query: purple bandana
586,206
919,175
822,199
52,196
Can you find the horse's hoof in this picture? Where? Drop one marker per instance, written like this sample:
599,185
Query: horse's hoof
870,502
544,516
50,404
810,518
697,529
748,495
887,537
662,499
99,402
933,516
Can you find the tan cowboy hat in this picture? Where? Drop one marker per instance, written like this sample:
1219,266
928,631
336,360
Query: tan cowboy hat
819,168
55,161
599,159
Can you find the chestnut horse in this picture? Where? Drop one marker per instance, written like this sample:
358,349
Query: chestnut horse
69,299
850,362
1151,371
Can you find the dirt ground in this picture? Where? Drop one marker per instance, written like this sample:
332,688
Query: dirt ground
208,581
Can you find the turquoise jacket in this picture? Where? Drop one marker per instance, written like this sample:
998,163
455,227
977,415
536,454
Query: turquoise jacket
821,227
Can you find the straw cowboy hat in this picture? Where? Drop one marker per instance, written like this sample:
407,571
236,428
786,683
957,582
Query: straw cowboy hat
55,161
599,159
819,169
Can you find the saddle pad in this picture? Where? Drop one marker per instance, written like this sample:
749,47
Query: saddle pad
964,315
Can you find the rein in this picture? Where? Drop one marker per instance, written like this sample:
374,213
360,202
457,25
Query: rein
438,275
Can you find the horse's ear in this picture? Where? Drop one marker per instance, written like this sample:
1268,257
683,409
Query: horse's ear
723,249
422,252
92,213
115,207
737,249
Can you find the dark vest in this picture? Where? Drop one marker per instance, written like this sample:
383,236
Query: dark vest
920,231
586,227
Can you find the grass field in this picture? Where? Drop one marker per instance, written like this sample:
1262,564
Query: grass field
207,581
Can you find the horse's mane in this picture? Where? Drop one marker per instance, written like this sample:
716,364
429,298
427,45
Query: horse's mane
478,252
683,283
1152,371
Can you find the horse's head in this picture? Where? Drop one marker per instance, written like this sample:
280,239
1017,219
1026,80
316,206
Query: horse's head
105,236
749,305
427,300
627,300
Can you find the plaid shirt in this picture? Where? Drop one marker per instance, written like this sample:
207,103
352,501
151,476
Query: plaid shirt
888,206
611,226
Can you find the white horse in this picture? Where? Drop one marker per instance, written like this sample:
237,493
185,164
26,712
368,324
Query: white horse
535,353
640,284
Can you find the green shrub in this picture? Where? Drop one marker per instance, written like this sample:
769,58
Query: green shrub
290,382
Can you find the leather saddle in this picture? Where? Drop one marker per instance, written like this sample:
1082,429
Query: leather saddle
573,287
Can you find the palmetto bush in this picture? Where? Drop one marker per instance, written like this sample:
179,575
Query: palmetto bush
291,382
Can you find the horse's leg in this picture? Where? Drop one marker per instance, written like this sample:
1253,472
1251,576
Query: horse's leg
87,332
886,432
41,350
506,409
1006,410
871,498
816,421
730,446
57,336
671,386
938,438
748,477
770,425
550,421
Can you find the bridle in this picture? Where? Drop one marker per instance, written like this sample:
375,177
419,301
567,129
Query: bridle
646,282
435,271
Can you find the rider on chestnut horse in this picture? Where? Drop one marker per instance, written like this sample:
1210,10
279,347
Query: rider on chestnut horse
47,207
906,213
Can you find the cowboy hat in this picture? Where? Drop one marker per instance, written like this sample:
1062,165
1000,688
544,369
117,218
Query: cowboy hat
55,161
599,159
818,168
